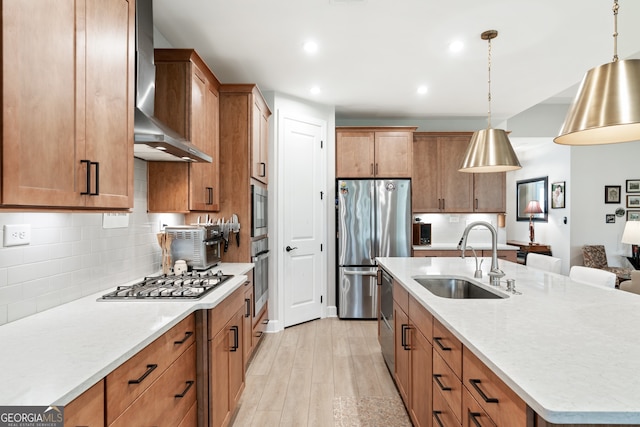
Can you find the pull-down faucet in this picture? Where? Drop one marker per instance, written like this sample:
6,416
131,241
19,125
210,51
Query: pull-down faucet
495,274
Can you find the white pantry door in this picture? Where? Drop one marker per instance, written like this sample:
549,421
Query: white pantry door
302,220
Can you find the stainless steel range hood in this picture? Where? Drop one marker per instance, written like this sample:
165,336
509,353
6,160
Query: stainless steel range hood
154,141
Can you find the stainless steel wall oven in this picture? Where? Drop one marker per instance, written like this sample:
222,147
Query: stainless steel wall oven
259,206
260,258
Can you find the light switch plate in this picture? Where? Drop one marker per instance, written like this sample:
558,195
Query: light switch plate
17,234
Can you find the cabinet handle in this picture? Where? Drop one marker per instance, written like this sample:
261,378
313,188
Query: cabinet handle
259,334
86,193
442,347
436,378
186,337
150,368
473,417
476,204
97,192
247,303
436,416
442,204
265,322
475,383
376,169
209,195
234,329
371,169
181,395
263,167
403,337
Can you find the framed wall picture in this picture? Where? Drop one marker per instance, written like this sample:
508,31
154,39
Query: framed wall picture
633,215
610,219
558,193
612,194
633,201
633,186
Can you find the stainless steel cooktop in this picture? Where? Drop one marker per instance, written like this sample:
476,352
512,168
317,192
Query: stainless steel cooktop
190,285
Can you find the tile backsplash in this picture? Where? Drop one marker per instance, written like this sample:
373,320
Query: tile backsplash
71,255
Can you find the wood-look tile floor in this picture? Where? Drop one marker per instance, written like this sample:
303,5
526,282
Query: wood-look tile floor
306,374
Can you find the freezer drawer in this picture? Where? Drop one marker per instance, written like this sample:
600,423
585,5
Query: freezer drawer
357,292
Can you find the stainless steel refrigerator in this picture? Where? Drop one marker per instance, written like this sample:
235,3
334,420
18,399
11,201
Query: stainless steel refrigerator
373,220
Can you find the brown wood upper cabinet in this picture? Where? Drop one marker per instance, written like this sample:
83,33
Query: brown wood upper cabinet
438,186
187,100
383,152
67,132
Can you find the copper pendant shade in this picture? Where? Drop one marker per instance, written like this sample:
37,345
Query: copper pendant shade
489,149
606,109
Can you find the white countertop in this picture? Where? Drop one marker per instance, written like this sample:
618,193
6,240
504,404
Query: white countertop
571,351
454,247
50,358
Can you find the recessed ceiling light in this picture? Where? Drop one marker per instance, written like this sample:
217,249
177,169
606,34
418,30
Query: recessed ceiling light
315,90
456,46
422,90
310,47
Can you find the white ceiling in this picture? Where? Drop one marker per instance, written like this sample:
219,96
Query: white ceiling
373,54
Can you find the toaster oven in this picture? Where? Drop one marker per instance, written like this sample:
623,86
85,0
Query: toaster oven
198,245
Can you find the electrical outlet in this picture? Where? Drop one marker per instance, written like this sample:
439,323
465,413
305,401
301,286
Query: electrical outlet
17,234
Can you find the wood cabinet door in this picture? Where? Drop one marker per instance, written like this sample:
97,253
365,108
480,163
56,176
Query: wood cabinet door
247,327
219,405
109,47
425,191
236,358
355,154
489,191
393,154
259,141
456,187
421,374
401,351
86,409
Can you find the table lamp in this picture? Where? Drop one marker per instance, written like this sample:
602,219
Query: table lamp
631,235
532,208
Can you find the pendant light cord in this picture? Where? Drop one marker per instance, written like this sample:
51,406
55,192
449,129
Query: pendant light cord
489,84
615,30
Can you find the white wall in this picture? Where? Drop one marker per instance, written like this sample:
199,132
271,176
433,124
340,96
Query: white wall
71,255
283,105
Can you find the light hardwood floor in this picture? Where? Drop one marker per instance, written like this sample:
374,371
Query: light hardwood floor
296,374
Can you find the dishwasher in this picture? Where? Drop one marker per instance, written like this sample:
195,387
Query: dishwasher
386,319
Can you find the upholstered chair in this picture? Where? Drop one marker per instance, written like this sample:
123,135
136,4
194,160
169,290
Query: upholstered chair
632,285
596,257
544,262
593,276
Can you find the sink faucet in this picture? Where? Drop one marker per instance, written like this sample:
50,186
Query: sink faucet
495,274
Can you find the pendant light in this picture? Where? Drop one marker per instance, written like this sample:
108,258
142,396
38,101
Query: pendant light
489,149
606,109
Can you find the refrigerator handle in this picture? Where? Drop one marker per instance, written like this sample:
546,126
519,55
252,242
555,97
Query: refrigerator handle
360,273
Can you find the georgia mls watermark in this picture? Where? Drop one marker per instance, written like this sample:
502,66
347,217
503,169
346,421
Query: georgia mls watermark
31,416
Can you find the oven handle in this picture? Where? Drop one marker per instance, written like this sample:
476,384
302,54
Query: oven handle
360,273
260,256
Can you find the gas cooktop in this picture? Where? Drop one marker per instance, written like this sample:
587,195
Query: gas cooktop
190,285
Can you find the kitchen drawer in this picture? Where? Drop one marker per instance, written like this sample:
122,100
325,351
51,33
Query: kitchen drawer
86,409
167,400
260,326
421,318
401,296
220,314
191,419
448,346
442,414
500,402
472,412
448,385
146,366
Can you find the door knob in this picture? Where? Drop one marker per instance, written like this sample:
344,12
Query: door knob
289,248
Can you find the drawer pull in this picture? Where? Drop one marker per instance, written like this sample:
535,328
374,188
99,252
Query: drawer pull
403,337
265,322
234,329
442,347
475,383
247,304
473,416
436,378
181,395
259,334
186,337
150,368
436,416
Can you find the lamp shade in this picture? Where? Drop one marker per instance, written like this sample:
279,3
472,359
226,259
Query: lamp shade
533,207
489,151
606,109
631,233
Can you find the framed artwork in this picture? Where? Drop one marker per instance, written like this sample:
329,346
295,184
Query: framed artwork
633,215
633,186
612,194
610,219
558,193
633,201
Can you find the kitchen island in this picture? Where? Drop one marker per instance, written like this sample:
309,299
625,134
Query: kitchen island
570,351
52,357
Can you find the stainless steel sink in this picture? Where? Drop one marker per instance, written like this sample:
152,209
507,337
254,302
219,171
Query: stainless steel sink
456,288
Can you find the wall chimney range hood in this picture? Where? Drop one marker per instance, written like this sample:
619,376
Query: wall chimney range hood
153,140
